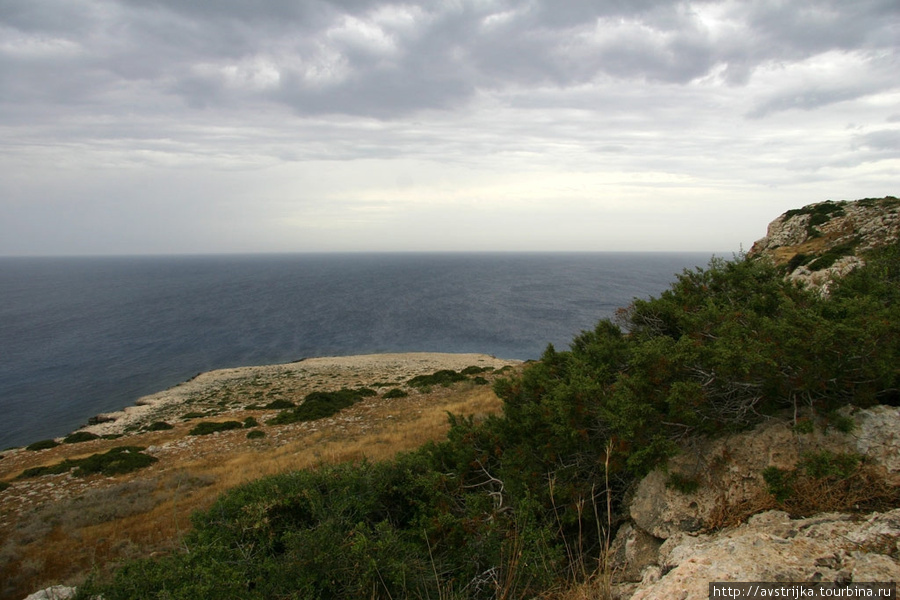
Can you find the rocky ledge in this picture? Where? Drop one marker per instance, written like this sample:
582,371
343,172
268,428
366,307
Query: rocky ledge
820,241
710,515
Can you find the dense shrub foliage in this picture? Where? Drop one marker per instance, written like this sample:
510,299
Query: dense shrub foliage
119,460
511,505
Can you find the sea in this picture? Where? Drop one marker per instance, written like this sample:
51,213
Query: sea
81,336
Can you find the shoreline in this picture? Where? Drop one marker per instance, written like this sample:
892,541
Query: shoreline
387,369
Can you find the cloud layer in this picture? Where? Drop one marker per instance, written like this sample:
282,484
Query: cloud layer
188,126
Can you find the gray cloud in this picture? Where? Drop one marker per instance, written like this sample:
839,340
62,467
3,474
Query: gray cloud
371,58
327,104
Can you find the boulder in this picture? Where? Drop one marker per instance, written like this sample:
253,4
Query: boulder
56,592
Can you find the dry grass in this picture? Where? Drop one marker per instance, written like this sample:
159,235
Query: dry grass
55,529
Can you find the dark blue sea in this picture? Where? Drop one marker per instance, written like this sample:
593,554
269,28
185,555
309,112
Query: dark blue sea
81,336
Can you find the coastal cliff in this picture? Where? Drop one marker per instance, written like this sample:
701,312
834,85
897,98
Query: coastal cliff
829,239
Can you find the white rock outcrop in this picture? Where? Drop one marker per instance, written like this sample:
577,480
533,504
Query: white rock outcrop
56,592
672,549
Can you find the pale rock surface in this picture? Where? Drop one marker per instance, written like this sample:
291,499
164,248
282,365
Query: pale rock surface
773,547
866,224
729,470
667,549
56,592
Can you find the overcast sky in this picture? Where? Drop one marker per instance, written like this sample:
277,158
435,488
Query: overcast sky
195,126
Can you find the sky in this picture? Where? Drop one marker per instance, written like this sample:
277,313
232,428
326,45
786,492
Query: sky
192,126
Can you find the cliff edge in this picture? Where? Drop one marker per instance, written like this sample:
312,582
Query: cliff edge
827,239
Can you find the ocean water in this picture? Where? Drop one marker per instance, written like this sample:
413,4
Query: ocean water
81,336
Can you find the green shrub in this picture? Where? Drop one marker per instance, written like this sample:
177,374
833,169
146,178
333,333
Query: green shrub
117,461
827,464
474,370
444,377
279,404
42,445
841,423
250,422
256,434
797,260
804,426
831,256
80,436
480,381
395,393
779,482
319,405
3,486
209,427
159,426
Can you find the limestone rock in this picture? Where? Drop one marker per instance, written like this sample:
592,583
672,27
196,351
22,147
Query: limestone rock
878,438
632,551
845,229
773,547
56,592
728,472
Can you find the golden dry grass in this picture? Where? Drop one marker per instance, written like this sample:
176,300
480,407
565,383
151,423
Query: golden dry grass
55,529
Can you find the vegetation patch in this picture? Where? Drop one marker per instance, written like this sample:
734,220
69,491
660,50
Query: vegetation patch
474,370
159,426
832,255
3,486
395,393
825,481
80,436
256,434
42,445
210,427
119,460
444,377
683,483
279,404
250,422
192,415
319,405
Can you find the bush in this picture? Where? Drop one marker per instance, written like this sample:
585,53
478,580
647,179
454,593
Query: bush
159,426
42,445
250,422
3,486
826,464
279,404
256,434
319,405
395,393
80,436
210,427
117,461
473,370
444,377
